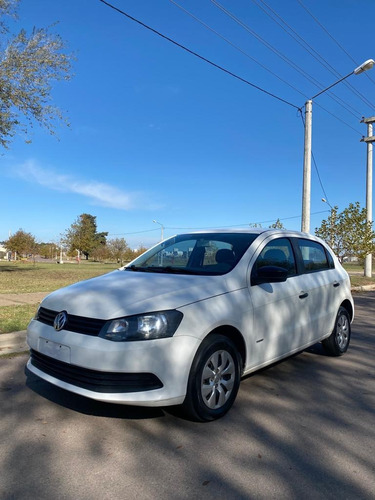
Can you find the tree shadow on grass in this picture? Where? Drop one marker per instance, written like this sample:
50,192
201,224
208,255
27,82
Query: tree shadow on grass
11,269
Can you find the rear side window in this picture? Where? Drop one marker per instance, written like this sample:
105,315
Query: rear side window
314,256
277,253
331,262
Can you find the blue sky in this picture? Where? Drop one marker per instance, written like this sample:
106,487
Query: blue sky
157,134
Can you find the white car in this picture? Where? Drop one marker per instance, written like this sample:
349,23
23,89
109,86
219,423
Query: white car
182,323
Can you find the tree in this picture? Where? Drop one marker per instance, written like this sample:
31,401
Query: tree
118,249
101,253
348,233
29,64
83,236
277,225
21,243
47,250
139,251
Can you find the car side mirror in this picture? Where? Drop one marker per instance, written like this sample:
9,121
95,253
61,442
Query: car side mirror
269,274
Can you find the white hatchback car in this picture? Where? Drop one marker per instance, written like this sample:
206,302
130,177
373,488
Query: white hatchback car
182,323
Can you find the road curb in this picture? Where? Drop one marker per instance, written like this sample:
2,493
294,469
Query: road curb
363,288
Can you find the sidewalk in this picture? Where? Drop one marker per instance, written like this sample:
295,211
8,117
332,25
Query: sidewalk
18,299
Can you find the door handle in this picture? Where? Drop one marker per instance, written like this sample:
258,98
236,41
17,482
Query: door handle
303,295
336,284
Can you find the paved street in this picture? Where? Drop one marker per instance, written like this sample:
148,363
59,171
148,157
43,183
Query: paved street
303,428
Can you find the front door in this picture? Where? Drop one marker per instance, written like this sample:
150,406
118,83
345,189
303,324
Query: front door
279,309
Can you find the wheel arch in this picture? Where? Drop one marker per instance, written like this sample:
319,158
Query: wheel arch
236,337
349,307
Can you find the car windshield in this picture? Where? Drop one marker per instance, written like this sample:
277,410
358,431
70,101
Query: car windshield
201,253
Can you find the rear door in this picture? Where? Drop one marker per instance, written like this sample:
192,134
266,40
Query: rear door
322,286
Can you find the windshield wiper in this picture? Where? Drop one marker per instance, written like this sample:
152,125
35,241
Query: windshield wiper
167,270
176,270
139,268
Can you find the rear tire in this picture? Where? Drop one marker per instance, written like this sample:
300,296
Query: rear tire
338,342
214,379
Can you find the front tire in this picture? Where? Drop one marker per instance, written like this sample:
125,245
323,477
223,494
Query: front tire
338,342
214,379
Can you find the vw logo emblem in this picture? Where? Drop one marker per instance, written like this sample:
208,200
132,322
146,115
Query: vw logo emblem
60,321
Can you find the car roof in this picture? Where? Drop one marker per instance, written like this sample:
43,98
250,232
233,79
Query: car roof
249,230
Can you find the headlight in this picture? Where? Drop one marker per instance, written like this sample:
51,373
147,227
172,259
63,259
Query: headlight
155,325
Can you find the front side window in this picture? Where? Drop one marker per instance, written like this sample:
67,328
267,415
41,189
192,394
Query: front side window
313,255
200,253
277,253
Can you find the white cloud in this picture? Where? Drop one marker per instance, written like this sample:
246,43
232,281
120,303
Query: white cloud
99,193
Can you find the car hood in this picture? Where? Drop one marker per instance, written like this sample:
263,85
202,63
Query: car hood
123,293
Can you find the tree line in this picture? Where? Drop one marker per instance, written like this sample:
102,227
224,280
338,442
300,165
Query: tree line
348,233
80,241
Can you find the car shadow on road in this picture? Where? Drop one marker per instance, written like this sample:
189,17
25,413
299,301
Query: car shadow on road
85,405
317,349
92,407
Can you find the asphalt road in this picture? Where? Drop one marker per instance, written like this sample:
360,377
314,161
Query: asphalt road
304,428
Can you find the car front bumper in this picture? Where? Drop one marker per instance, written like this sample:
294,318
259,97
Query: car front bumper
146,373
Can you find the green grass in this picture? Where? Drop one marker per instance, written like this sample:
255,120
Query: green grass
360,280
25,277
356,275
353,268
16,318
19,277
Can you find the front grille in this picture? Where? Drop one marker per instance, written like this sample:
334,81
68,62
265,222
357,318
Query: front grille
79,324
103,382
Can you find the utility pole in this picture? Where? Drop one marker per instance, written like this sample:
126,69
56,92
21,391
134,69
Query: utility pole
306,188
369,140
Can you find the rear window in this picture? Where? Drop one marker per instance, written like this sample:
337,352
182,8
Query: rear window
314,256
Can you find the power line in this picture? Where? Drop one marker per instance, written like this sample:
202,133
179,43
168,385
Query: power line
289,218
237,48
135,232
221,68
331,36
282,56
198,228
337,118
198,55
245,224
306,46
260,64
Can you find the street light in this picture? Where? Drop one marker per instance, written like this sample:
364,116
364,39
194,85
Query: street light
306,190
162,229
328,203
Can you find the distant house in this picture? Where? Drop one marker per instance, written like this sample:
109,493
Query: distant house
4,254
